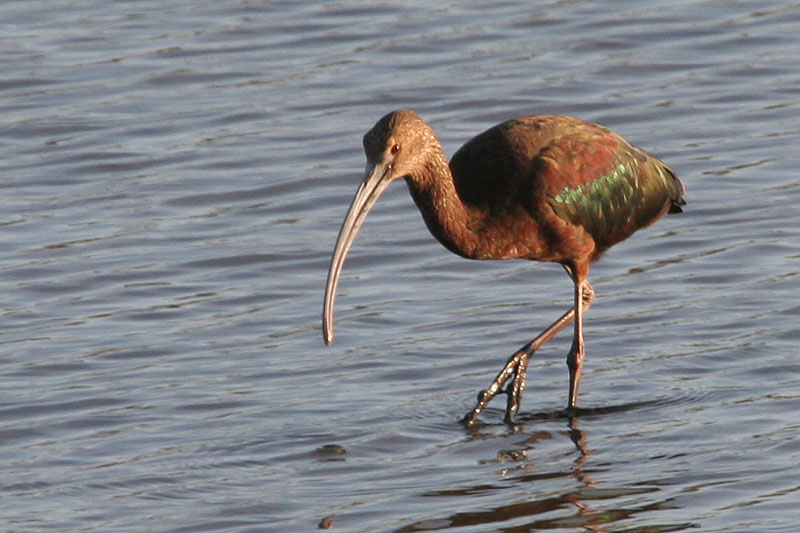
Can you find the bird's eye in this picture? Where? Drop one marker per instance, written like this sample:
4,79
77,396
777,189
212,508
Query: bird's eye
395,148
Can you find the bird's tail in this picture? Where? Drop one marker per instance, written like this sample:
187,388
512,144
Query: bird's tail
675,190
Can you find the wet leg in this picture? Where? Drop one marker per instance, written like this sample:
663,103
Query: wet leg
516,366
584,296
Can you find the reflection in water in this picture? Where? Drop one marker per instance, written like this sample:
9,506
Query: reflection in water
529,515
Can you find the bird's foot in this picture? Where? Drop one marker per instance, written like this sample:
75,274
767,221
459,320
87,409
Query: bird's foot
483,399
516,366
515,388
512,405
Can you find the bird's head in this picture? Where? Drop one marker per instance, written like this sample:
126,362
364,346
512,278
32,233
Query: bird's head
397,145
395,148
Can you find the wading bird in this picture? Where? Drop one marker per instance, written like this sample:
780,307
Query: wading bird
547,188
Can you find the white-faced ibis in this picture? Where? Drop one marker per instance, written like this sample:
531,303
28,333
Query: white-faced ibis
548,188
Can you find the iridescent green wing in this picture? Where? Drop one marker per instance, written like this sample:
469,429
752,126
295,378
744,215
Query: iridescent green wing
613,189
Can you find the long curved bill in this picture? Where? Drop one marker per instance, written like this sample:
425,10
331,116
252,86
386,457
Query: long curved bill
376,178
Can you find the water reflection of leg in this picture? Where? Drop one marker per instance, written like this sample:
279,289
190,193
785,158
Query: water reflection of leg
585,511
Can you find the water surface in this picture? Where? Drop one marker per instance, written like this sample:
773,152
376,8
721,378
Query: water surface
174,176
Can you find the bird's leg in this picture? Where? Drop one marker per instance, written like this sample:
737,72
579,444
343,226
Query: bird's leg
515,388
516,366
584,296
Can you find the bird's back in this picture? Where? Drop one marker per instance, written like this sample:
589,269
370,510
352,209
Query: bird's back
581,184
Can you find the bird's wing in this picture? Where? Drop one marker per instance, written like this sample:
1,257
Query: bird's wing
609,187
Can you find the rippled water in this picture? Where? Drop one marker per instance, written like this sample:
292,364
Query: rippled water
174,176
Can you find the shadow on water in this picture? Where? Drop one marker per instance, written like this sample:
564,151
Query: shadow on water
567,414
575,508
584,412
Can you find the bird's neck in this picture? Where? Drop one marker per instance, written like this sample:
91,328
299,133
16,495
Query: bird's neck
447,217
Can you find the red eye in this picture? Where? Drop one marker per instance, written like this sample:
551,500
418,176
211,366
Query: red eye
395,149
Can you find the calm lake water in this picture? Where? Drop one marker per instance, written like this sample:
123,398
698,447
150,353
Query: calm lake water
174,176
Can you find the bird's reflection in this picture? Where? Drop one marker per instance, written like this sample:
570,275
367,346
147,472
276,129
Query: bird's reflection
523,467
578,438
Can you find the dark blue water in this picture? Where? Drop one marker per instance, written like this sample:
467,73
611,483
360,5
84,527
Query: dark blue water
173,179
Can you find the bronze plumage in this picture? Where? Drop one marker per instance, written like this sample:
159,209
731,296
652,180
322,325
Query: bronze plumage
547,188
